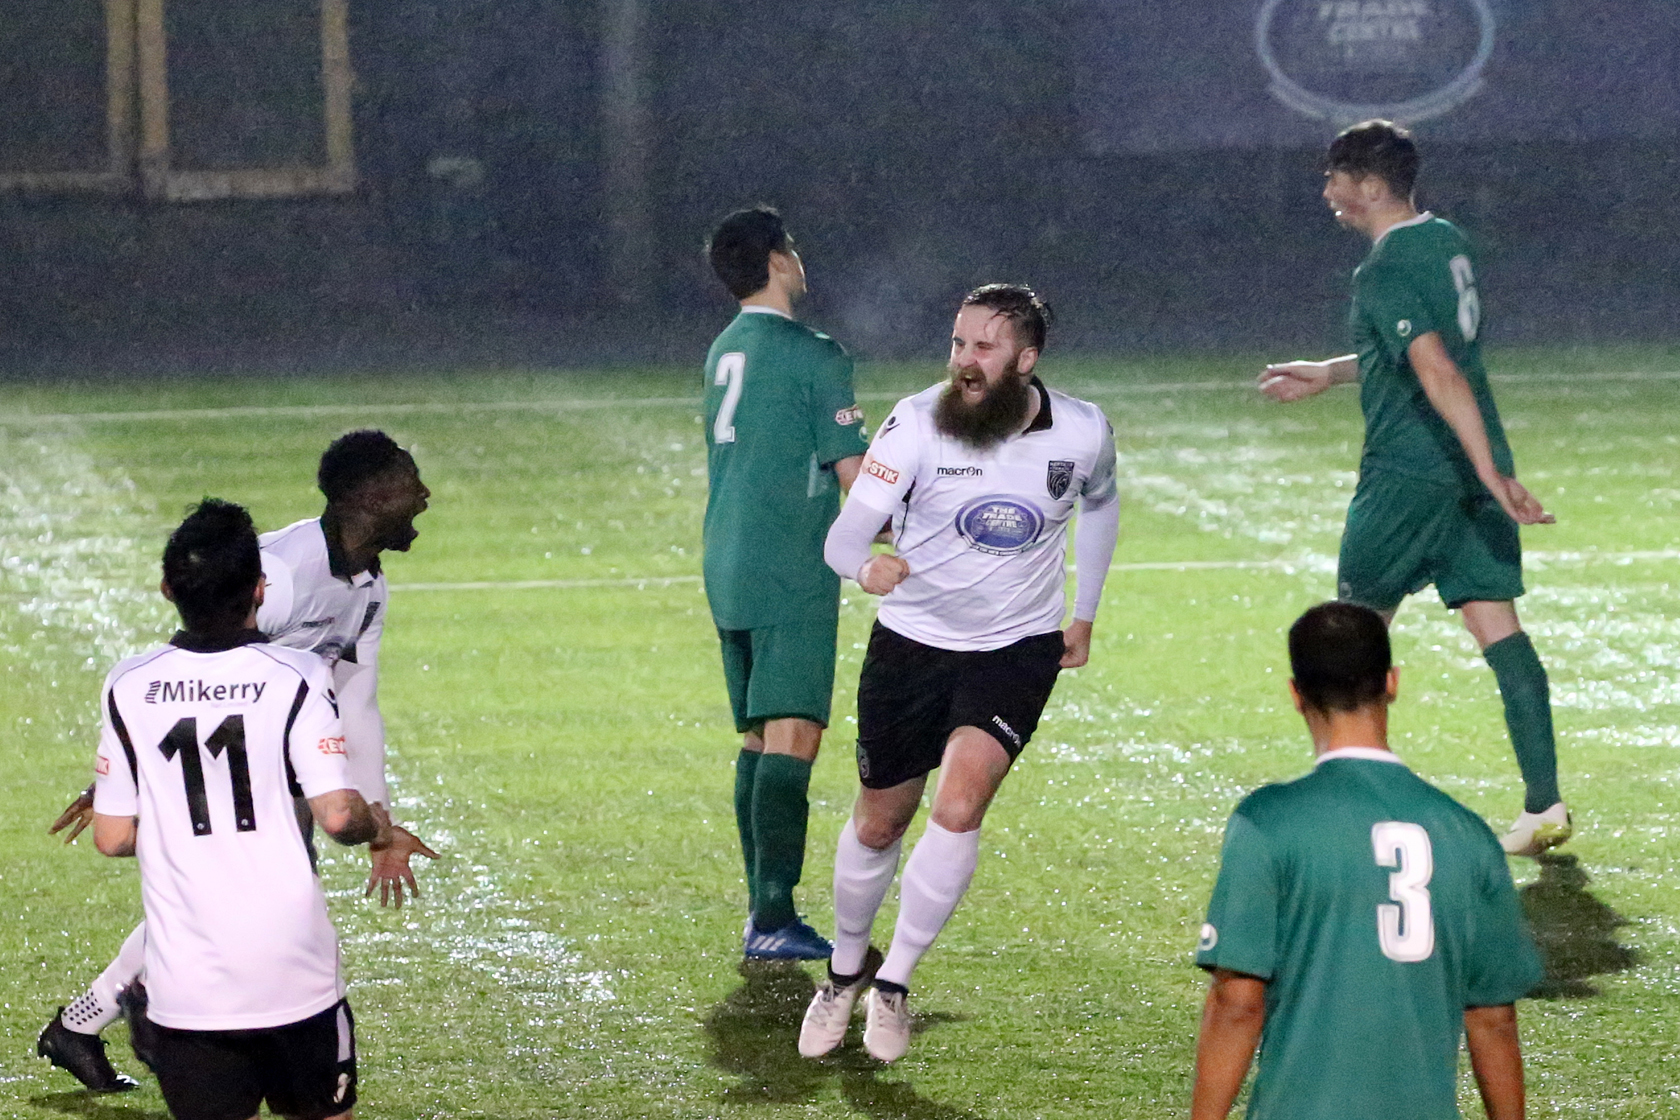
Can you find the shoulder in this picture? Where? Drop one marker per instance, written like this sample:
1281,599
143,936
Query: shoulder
295,542
301,662
1081,415
129,664
1274,806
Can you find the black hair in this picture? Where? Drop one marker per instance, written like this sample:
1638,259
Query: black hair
1380,148
356,457
211,565
1339,656
740,248
1028,315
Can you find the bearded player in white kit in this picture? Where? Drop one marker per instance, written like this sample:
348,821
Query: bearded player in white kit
326,594
980,476
206,742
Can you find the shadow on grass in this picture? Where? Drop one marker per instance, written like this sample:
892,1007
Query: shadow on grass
755,1033
1576,932
95,1106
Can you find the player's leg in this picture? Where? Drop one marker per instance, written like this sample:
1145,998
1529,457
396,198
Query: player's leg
209,1075
996,705
864,863
1480,569
790,688
71,1041
1526,692
737,667
1391,527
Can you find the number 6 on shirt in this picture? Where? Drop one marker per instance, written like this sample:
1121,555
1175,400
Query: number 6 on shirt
1406,926
731,371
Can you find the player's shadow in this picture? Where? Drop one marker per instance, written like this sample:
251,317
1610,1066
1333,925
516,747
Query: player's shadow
755,1032
94,1106
1576,932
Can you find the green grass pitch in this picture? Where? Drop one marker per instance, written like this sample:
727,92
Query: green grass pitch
567,747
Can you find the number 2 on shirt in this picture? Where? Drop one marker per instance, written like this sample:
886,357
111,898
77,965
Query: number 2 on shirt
1406,926
731,371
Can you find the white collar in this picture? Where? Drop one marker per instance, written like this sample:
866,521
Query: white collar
1369,754
1417,221
760,309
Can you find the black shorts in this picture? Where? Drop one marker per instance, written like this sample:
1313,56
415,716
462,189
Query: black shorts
912,696
304,1070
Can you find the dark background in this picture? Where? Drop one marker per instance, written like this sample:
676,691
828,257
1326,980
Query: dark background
1121,155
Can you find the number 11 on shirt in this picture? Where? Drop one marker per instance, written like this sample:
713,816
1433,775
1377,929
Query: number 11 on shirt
731,371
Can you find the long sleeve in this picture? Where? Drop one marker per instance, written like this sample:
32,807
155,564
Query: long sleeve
1093,551
847,547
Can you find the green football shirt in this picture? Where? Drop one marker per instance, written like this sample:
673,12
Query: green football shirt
780,412
1419,277
1377,909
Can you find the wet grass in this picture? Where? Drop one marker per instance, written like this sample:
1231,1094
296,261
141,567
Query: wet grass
576,951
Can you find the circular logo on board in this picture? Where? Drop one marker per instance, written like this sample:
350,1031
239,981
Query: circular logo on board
1002,526
1350,60
1210,938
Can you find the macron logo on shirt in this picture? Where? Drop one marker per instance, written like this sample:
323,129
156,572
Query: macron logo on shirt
198,692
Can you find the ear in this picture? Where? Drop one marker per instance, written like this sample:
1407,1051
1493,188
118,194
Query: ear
1295,695
163,586
1027,359
262,587
1393,687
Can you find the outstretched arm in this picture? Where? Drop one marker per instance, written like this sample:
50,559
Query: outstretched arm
1232,1019
1450,393
1490,1034
1292,381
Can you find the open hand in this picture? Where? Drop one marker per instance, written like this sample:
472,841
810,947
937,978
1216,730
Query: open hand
391,870
1514,498
79,814
1293,381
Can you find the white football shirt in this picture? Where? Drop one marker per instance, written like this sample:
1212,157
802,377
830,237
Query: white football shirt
306,606
205,748
984,532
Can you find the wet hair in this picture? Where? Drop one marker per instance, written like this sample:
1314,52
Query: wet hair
1380,148
740,248
355,458
1339,656
1029,316
211,565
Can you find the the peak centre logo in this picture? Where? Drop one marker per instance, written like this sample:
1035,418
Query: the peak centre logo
1351,60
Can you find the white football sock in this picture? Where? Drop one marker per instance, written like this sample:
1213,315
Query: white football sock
861,878
936,876
96,1008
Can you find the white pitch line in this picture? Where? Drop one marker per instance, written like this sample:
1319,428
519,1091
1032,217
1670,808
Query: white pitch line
307,411
1657,555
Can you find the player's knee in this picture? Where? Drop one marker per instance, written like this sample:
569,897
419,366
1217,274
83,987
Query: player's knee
877,833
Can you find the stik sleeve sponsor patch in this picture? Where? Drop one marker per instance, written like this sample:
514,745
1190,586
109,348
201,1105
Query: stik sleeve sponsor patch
882,471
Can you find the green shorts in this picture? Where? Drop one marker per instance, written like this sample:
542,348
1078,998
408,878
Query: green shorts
1404,534
776,672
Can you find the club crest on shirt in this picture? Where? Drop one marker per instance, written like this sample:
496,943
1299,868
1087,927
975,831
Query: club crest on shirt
1000,525
1058,476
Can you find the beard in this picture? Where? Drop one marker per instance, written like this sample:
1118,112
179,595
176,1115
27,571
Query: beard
989,421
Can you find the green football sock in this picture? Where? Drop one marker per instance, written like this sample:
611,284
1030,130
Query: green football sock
746,772
1528,716
779,812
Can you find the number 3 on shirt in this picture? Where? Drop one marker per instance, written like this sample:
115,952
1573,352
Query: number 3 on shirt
1406,926
731,371
1469,303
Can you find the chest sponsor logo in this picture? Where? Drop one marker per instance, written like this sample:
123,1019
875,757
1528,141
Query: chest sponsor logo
1058,476
851,415
882,471
199,692
961,472
332,744
1000,525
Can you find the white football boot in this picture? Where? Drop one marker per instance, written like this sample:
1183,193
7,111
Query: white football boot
886,1030
1533,833
830,1010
